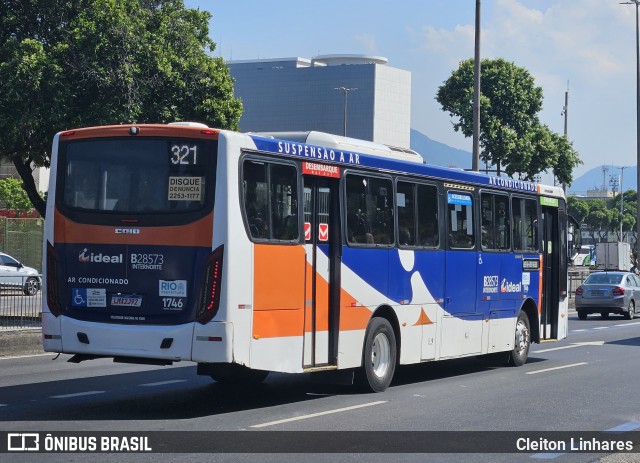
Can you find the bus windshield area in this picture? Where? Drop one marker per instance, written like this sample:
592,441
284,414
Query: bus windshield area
136,175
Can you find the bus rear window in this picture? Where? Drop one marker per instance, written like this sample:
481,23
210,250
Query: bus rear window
137,175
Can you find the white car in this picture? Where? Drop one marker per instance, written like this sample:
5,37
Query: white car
15,275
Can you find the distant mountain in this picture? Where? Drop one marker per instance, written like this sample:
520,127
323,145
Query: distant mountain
438,153
593,180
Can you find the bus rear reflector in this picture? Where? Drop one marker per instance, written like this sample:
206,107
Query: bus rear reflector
210,294
53,281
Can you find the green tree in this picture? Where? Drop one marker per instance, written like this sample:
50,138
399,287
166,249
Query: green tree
599,219
577,208
13,195
74,63
511,135
629,214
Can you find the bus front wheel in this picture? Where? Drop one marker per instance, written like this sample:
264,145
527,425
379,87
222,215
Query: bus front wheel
378,356
520,351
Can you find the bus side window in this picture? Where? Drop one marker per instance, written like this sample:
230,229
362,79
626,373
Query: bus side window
255,198
525,225
284,203
461,234
494,218
369,210
270,201
405,199
428,216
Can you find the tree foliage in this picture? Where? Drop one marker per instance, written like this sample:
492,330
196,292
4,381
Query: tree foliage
602,217
74,63
13,196
511,135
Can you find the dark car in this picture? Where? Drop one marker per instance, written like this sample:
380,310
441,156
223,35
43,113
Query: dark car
608,292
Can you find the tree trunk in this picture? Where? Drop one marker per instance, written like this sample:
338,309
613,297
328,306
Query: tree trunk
29,184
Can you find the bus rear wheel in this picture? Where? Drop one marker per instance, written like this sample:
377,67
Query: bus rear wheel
233,374
378,356
520,352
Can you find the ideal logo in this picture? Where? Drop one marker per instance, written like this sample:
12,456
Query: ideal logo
99,258
175,288
508,287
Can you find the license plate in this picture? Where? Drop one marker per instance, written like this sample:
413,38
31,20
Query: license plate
126,301
597,293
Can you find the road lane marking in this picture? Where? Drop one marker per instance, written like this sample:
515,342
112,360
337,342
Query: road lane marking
575,344
628,324
313,415
162,383
26,356
77,394
626,427
631,426
555,368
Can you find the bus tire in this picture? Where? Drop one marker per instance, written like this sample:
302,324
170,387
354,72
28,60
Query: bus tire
520,352
233,374
379,356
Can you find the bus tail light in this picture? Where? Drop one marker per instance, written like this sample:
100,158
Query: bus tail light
53,281
210,295
617,291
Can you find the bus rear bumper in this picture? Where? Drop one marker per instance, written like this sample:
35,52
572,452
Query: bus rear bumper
114,340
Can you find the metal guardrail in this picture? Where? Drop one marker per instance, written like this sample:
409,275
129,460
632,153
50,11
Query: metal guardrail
17,308
576,276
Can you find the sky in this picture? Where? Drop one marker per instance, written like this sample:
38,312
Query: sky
585,46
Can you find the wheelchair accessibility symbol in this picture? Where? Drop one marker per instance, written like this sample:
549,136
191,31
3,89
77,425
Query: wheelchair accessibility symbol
88,297
79,297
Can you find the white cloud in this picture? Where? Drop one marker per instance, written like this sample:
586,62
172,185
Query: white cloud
369,42
590,43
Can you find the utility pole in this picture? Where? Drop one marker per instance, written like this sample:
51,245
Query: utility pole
346,91
637,3
475,161
565,113
621,198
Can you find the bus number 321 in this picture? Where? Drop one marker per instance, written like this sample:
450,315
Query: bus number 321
184,154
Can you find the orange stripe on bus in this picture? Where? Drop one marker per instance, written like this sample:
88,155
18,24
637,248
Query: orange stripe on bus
278,296
144,130
277,323
540,285
199,233
352,315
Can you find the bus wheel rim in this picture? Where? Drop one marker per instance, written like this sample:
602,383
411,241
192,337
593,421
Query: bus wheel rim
380,355
522,337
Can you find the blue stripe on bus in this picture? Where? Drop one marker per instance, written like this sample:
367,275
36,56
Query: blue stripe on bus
348,158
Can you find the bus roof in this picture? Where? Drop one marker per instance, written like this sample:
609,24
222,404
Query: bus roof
350,153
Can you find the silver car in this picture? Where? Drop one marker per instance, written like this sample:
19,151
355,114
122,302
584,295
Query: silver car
15,275
608,292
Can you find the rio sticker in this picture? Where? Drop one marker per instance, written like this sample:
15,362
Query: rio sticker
172,288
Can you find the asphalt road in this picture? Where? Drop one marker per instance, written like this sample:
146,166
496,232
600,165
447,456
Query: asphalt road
587,382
